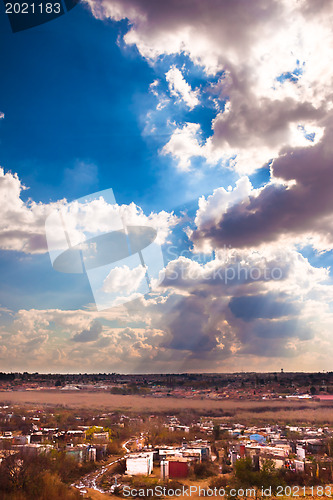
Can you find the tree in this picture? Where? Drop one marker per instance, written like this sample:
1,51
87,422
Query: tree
247,477
244,473
203,470
23,477
329,447
216,432
268,476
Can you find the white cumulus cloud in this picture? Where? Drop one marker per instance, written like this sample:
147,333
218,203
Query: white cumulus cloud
179,87
123,280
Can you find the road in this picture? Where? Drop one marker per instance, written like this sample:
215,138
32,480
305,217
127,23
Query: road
91,479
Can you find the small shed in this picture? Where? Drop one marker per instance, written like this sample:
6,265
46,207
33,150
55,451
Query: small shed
139,464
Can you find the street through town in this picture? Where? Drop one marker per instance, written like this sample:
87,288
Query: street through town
91,480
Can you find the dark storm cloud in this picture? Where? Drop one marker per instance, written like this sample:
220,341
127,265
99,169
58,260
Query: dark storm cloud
280,210
282,329
207,328
188,327
90,334
261,306
218,319
269,348
273,337
255,122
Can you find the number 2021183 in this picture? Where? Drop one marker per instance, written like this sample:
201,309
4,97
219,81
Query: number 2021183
33,8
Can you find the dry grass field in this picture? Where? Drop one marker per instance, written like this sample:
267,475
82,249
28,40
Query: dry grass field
243,410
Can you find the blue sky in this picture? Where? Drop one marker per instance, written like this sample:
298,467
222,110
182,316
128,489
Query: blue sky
75,99
219,141
71,98
95,92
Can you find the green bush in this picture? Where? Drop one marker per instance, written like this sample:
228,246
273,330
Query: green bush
204,469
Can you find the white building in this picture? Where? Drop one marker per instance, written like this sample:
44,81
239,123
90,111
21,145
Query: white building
140,464
300,453
299,465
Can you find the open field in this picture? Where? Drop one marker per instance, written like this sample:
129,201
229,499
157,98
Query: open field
256,411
